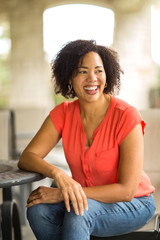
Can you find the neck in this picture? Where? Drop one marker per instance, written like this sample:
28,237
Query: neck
97,108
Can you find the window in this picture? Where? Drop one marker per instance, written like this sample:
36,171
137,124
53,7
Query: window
76,21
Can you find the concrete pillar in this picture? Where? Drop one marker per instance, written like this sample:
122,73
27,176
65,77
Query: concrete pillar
132,40
30,79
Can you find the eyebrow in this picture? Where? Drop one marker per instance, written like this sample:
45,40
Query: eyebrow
87,67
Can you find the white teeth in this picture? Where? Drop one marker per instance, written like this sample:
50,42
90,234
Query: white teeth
90,88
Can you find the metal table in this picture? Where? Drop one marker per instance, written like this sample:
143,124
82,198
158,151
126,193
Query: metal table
11,175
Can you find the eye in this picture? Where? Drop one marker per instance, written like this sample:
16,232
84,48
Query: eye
99,71
82,72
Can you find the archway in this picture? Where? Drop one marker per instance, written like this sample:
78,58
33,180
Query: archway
76,21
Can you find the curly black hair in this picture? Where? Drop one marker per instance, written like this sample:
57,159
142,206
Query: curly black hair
67,60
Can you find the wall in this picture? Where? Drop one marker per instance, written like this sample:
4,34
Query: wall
31,86
30,73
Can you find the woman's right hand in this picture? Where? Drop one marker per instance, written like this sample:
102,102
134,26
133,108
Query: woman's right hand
32,160
71,191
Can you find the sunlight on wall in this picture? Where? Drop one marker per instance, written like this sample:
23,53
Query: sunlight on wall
5,42
76,21
155,23
5,47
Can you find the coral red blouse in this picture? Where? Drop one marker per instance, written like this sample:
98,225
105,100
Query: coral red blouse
98,165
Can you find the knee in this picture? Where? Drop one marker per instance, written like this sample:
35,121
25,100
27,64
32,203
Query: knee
36,213
73,220
88,217
79,226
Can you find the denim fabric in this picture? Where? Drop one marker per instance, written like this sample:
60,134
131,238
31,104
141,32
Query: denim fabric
53,222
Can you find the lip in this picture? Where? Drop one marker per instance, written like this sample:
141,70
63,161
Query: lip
91,89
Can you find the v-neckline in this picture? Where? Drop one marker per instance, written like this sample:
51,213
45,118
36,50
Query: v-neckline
100,125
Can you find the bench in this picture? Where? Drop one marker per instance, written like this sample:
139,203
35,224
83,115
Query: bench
8,151
152,168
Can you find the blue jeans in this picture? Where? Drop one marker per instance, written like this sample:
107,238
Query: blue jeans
53,222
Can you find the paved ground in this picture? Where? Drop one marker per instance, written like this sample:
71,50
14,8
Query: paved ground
27,233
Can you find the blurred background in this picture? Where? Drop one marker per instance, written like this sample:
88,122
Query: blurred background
33,31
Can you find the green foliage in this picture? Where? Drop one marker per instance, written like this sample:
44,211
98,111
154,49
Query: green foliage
4,81
158,75
59,99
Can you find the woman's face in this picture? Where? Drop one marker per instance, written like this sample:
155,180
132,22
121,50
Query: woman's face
90,78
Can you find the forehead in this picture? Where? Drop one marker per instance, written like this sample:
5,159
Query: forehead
91,58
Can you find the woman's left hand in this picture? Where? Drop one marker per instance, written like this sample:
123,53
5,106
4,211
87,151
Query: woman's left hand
44,195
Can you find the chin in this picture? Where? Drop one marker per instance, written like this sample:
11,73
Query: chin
92,99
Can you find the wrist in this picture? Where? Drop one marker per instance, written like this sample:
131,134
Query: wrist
58,195
54,172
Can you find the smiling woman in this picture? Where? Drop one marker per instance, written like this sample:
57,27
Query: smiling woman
103,144
69,64
90,78
80,23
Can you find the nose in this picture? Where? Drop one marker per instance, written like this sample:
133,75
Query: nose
92,77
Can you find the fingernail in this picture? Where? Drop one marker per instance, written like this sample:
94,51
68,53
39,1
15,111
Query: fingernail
77,213
82,213
86,208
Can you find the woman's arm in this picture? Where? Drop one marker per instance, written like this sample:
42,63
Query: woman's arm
32,157
130,168
32,160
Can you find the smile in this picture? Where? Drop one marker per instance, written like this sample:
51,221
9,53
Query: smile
92,88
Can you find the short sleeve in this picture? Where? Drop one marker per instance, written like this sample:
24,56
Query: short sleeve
129,119
57,116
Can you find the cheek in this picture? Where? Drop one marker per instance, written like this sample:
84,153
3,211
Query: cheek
77,83
76,86
104,76
103,79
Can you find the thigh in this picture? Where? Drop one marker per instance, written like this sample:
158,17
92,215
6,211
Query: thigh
42,212
119,218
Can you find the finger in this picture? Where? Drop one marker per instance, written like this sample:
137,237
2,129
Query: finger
84,198
35,191
33,197
74,202
80,204
66,201
34,202
81,199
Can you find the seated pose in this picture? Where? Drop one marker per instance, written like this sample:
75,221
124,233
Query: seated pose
108,193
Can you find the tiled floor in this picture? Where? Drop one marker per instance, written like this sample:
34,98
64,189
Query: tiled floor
27,233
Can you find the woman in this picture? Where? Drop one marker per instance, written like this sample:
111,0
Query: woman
108,193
